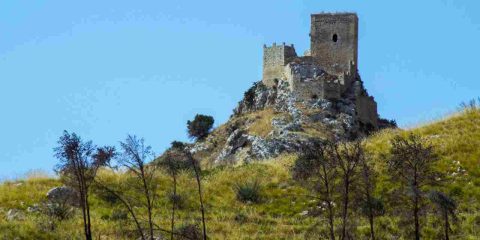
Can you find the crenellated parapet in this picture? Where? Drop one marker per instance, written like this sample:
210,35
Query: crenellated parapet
275,58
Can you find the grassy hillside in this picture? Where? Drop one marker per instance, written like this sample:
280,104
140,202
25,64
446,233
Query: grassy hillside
283,211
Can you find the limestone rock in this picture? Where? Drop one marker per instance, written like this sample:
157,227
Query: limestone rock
34,208
15,214
236,140
63,195
296,123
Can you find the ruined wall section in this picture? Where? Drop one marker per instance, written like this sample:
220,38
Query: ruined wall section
307,81
367,110
366,107
334,43
274,60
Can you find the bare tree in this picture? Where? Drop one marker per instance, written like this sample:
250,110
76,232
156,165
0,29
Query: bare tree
194,165
371,205
119,195
173,163
347,157
134,157
79,163
319,173
411,163
445,207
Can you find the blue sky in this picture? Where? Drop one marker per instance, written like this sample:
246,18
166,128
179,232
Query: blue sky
104,69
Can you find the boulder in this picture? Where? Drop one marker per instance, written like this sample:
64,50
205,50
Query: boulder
63,195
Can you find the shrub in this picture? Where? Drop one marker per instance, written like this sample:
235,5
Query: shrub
241,218
387,123
105,196
119,215
50,214
57,211
248,192
190,232
178,200
200,127
249,95
177,145
375,205
471,105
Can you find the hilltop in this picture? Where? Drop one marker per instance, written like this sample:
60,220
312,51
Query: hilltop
270,121
300,99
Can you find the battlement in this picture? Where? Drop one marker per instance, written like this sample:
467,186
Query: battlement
275,58
275,45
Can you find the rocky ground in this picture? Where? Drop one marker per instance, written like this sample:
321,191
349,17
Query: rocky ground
271,121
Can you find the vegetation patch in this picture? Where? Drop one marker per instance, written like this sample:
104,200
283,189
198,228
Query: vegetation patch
261,122
287,210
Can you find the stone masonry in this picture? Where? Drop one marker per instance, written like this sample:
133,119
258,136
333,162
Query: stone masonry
274,60
328,70
334,42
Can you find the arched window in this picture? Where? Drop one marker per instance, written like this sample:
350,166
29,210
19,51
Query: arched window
335,38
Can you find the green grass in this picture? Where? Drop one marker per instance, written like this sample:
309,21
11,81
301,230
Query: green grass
457,142
280,214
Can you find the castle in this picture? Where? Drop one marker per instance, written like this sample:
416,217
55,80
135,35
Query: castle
328,70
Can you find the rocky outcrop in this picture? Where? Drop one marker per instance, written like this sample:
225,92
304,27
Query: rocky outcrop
236,140
63,195
299,124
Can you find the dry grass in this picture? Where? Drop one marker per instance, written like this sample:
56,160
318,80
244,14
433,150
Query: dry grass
262,122
256,123
277,217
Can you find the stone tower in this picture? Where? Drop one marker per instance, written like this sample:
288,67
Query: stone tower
274,60
328,70
334,42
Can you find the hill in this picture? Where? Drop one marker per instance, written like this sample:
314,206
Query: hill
285,210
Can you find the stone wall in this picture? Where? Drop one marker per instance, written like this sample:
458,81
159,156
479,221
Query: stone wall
303,80
307,81
334,41
332,89
274,60
367,110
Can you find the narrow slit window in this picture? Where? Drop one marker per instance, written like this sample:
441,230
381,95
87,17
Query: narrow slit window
335,38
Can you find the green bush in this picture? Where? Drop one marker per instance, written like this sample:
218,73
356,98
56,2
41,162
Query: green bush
189,231
248,192
249,95
119,215
58,211
178,200
200,127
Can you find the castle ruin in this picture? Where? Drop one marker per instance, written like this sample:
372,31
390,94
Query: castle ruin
328,70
